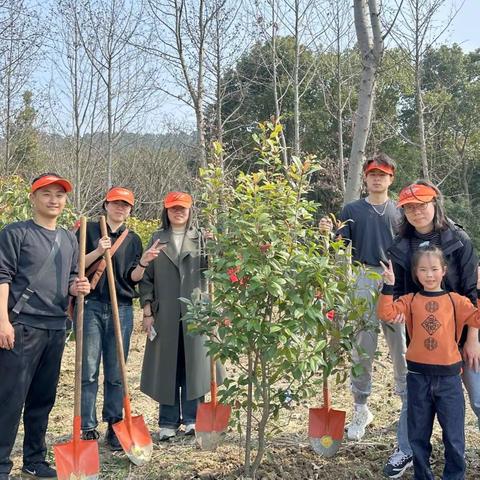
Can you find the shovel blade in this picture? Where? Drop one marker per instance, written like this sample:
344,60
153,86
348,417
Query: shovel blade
77,460
325,446
326,421
135,441
212,417
209,440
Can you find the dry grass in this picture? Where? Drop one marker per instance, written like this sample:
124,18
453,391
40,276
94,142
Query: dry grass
289,455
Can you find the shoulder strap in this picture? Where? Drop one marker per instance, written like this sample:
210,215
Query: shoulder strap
32,286
99,266
454,316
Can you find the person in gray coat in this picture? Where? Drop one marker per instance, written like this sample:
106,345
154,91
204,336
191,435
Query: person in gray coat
175,369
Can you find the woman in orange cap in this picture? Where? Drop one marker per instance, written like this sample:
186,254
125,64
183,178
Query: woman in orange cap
175,369
424,222
129,264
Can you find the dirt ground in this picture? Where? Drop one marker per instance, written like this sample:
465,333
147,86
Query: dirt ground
289,454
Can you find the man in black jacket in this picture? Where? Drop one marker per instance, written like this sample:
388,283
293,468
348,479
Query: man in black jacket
38,270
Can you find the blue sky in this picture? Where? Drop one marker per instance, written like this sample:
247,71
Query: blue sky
464,29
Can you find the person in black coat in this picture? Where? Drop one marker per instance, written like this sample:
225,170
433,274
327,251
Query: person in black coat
424,222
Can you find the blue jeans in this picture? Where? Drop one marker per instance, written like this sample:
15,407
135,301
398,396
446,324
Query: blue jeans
183,411
441,395
99,342
471,380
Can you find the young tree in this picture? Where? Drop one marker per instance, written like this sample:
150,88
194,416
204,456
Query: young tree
274,284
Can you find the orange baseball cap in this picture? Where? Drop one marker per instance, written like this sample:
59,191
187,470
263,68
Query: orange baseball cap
416,193
180,199
49,179
120,193
374,165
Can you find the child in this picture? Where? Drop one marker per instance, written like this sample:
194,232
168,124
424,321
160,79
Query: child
434,321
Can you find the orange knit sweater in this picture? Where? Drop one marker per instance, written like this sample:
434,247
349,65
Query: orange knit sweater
434,322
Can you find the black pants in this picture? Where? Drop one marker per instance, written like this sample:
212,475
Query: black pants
28,380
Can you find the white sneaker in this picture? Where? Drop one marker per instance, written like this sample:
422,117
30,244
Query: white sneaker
190,429
166,433
362,417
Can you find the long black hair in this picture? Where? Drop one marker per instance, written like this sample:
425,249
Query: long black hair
406,229
166,221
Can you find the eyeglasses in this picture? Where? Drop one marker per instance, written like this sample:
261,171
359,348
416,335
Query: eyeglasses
416,207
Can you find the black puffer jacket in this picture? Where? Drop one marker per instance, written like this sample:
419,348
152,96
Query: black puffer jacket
461,260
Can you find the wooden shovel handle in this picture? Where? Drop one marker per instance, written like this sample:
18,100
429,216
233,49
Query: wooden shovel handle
79,327
116,316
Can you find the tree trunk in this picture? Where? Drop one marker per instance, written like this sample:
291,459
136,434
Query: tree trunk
264,419
110,124
296,99
248,428
370,42
341,160
274,75
421,123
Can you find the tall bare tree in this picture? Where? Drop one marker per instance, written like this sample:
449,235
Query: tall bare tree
21,38
110,31
339,33
183,28
74,97
371,45
416,32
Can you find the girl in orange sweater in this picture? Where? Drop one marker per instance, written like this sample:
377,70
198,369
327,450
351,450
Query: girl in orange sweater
434,320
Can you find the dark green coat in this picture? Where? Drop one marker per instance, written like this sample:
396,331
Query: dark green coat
167,278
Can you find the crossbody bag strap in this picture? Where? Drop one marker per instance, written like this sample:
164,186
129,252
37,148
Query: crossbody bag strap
454,317
32,286
99,266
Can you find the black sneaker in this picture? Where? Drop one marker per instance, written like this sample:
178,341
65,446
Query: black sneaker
111,439
39,470
397,464
90,435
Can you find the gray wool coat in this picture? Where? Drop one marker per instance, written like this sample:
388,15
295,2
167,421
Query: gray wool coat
169,277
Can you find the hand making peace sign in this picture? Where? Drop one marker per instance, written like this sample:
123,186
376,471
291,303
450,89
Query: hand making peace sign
387,274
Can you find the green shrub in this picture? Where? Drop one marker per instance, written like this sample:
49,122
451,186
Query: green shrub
15,205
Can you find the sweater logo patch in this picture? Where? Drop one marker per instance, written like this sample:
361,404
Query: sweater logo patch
431,306
430,343
431,324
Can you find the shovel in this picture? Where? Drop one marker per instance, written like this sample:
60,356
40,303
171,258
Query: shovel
212,417
326,426
78,459
132,433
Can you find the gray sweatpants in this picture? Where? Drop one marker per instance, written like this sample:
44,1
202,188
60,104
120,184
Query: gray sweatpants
367,340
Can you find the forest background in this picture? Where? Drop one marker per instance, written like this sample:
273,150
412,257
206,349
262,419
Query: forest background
134,93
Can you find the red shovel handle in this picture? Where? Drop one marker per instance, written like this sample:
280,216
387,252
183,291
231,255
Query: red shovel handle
213,382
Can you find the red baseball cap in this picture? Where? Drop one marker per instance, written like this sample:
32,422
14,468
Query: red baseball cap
120,193
49,179
374,165
180,199
416,193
